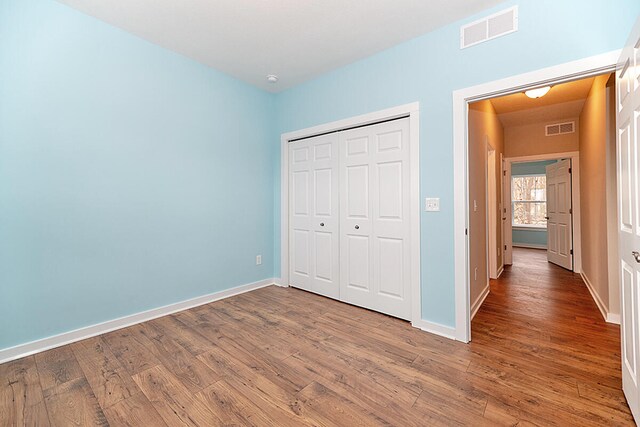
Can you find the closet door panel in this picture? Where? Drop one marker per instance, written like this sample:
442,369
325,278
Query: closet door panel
374,228
314,210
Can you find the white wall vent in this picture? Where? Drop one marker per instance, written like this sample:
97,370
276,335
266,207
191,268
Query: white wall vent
560,128
490,27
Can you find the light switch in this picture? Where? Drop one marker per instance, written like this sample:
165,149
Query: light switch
432,204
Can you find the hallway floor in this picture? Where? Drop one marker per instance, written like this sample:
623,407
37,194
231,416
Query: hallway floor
549,345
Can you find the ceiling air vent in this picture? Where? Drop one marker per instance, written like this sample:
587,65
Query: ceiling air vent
560,128
490,27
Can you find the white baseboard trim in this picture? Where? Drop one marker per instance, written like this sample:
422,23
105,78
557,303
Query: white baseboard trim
27,349
478,302
613,318
500,271
608,317
435,328
529,246
280,283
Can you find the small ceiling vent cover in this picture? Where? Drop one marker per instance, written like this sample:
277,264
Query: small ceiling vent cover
490,27
560,128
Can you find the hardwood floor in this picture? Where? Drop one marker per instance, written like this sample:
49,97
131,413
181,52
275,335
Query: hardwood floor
541,355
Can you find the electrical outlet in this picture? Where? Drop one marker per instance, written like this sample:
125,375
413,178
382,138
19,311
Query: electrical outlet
259,260
432,204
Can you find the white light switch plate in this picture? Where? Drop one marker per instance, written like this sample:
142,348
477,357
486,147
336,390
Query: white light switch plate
432,204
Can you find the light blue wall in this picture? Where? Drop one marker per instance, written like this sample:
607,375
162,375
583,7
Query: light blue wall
530,168
534,237
530,236
427,69
130,176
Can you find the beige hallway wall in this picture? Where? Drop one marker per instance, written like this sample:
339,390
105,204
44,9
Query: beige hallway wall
530,139
593,200
483,124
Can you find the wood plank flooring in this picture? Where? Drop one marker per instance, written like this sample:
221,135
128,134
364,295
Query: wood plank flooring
541,355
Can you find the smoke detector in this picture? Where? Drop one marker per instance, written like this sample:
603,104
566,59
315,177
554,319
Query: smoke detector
272,78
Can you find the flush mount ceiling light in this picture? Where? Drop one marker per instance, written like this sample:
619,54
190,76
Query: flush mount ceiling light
272,78
537,92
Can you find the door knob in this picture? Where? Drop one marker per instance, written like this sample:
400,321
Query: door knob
636,255
322,224
357,227
546,217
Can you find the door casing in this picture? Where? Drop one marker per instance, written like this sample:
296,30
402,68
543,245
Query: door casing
575,200
570,71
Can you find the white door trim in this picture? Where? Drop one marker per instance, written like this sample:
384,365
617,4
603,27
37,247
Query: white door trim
412,111
575,197
574,70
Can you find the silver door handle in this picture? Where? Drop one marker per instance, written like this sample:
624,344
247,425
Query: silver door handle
546,217
357,227
636,255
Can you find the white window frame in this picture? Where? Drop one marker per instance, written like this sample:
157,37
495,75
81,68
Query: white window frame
525,226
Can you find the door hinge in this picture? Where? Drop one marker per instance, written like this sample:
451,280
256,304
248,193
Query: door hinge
505,247
571,251
466,231
569,170
504,173
570,210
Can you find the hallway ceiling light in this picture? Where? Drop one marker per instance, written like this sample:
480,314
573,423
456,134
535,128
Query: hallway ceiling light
538,92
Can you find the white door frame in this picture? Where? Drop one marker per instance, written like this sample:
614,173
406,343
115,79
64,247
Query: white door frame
574,70
575,198
412,111
491,212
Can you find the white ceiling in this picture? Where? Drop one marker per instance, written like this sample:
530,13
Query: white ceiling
295,39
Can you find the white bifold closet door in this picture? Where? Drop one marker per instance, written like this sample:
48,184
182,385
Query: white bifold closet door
313,208
374,217
349,230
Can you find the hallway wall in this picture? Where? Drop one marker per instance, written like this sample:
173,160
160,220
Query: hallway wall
530,139
484,126
593,200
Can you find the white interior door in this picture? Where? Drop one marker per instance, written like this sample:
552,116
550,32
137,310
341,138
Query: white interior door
492,213
374,218
314,215
559,224
507,228
628,124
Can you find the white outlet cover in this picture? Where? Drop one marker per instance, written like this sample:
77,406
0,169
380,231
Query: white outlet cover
432,204
259,260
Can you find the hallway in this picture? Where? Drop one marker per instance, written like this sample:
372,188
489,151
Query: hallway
547,339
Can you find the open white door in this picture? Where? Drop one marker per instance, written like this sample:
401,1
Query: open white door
559,225
492,213
628,124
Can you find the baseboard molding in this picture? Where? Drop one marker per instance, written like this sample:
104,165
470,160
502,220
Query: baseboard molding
478,302
529,246
27,349
435,328
608,317
613,318
280,283
500,271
